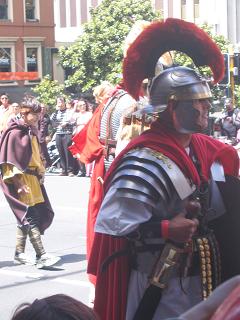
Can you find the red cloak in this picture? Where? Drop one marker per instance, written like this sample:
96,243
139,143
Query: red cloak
87,144
112,285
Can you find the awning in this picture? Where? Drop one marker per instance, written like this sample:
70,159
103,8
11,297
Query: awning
14,76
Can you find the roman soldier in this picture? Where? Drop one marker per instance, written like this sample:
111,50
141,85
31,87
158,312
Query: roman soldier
159,246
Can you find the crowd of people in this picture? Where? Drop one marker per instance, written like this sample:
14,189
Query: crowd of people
68,120
227,122
163,203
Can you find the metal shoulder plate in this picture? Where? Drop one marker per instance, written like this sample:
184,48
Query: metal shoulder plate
149,176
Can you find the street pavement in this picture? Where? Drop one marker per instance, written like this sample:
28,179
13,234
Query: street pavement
66,238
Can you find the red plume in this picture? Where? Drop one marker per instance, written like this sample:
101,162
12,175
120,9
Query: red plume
160,37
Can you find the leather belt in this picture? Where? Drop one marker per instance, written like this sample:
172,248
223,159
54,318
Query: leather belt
33,173
110,142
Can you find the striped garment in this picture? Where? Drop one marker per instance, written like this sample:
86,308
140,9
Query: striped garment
61,117
123,104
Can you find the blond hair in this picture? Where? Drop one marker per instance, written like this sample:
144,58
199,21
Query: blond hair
102,91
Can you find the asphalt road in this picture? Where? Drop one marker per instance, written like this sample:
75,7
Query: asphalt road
66,238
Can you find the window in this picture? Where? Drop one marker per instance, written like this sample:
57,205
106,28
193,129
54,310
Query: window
5,60
183,9
30,10
32,59
4,10
196,10
33,56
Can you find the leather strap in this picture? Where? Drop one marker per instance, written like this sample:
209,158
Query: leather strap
109,141
148,303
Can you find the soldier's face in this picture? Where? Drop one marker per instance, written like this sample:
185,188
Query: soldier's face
191,116
203,107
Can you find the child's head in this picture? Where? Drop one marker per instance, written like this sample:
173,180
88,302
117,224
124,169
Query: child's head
30,110
55,307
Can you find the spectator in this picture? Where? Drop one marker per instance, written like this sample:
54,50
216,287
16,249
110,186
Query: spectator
4,100
15,109
11,113
4,110
63,307
70,104
81,115
230,122
43,132
61,119
55,307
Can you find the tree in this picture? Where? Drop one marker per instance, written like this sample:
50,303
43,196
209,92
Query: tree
48,90
97,54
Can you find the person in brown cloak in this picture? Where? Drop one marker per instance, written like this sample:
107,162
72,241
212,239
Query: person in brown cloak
22,173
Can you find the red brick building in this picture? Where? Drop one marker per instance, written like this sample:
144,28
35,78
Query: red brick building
26,42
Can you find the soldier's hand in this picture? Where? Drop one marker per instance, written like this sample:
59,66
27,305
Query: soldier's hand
182,229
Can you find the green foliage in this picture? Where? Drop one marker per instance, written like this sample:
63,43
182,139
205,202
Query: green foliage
237,95
97,54
48,90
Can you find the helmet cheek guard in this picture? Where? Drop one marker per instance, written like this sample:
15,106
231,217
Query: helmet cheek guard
185,117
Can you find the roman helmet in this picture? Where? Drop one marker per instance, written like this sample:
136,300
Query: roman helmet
173,82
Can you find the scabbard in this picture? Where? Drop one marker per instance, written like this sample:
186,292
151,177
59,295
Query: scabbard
161,273
149,303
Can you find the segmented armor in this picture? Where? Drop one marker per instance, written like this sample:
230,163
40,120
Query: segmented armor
154,180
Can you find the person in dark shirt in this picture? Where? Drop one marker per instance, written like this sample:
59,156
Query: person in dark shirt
230,123
43,125
62,121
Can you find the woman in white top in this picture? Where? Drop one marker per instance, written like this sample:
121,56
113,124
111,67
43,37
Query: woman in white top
81,115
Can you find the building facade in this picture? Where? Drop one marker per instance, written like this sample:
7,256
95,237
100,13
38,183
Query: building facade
31,31
26,39
223,15
69,17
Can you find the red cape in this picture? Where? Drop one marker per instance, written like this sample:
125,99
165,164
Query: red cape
87,144
111,286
